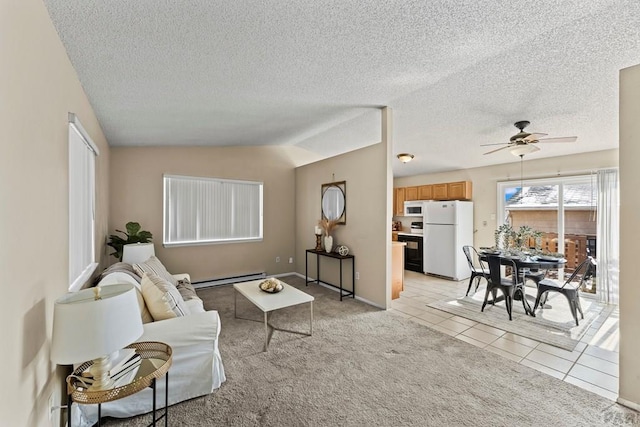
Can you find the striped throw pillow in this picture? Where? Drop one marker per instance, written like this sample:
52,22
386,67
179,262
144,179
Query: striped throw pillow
153,265
162,298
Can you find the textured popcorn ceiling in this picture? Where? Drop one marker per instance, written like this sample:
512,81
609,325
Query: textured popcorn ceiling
313,73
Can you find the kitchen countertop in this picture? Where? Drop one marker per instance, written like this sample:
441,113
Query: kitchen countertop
404,233
398,243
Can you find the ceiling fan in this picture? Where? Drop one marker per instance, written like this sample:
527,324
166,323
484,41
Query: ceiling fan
520,143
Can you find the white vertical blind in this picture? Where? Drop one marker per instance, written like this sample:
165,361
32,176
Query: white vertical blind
210,210
81,205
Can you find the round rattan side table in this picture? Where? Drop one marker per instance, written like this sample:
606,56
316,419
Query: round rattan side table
156,360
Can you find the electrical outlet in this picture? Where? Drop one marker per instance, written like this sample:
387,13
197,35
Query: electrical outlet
290,260
357,275
277,259
484,223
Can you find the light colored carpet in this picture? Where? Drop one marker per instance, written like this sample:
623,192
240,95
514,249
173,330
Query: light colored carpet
554,325
366,367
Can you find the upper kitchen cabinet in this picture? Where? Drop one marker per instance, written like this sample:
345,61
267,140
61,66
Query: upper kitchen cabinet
459,190
411,193
440,191
425,192
398,201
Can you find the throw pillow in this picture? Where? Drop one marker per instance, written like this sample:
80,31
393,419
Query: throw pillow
153,265
144,311
162,298
186,289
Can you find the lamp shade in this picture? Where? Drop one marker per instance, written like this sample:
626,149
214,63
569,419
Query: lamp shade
522,149
137,252
86,328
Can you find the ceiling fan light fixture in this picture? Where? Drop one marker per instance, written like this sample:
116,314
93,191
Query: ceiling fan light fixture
405,157
521,150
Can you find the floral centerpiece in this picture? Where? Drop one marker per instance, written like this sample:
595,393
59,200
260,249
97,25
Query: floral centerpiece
518,242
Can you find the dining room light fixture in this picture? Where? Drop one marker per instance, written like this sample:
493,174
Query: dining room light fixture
522,149
405,157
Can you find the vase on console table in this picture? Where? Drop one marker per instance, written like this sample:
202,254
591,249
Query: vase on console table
328,243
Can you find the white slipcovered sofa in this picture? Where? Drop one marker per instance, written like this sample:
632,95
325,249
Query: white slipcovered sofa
196,370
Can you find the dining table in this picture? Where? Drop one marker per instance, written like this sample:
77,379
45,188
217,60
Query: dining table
524,262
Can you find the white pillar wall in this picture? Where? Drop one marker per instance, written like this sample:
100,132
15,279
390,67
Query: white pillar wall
629,382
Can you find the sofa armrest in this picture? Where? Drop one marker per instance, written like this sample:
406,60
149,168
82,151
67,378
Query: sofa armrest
182,276
184,331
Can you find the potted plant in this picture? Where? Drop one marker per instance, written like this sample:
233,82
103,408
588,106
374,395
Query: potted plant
503,236
134,234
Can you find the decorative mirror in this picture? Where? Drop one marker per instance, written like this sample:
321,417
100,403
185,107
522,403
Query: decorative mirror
333,198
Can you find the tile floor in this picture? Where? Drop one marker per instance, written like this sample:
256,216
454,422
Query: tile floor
593,365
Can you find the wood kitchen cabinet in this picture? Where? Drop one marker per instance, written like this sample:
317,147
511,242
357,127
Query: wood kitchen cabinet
397,269
398,200
411,193
459,190
425,192
440,191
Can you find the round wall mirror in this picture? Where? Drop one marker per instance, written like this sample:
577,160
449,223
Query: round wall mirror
334,201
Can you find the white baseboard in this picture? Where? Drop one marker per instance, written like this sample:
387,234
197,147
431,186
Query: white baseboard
628,404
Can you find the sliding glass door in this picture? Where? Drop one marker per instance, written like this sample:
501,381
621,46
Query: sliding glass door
563,209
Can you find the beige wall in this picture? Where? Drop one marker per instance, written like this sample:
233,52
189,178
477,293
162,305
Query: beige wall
366,232
630,235
136,195
38,87
485,181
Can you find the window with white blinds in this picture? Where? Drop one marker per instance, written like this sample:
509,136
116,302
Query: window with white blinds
210,210
82,153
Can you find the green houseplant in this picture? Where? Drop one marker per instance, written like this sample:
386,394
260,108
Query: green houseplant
134,234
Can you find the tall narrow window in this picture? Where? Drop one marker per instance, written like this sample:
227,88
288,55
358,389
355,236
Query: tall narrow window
82,153
210,210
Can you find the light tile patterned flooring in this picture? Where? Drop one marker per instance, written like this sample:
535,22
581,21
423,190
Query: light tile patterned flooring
593,365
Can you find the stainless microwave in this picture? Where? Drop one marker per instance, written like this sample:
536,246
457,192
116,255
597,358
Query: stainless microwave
413,208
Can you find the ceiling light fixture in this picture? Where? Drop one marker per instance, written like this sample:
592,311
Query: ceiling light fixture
405,157
522,149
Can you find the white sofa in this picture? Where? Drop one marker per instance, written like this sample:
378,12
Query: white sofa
197,365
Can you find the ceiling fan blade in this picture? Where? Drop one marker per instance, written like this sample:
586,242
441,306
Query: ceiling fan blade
560,139
498,149
534,137
495,143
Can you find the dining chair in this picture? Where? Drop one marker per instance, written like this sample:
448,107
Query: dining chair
570,288
535,275
477,267
508,286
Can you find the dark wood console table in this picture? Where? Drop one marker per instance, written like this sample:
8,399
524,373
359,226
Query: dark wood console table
320,253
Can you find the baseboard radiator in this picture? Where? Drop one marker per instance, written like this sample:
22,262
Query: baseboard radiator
231,279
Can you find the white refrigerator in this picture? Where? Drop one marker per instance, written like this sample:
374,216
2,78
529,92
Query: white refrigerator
448,226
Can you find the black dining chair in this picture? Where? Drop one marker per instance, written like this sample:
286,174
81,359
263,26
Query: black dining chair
570,288
477,267
535,275
508,286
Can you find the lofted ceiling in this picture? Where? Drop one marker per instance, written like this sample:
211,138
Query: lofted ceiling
314,73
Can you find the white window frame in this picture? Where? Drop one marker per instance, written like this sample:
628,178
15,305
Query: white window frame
200,211
82,189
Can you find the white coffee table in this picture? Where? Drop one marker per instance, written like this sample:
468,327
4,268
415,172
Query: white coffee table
268,302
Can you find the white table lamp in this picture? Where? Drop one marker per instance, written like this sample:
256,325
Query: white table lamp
137,252
91,325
